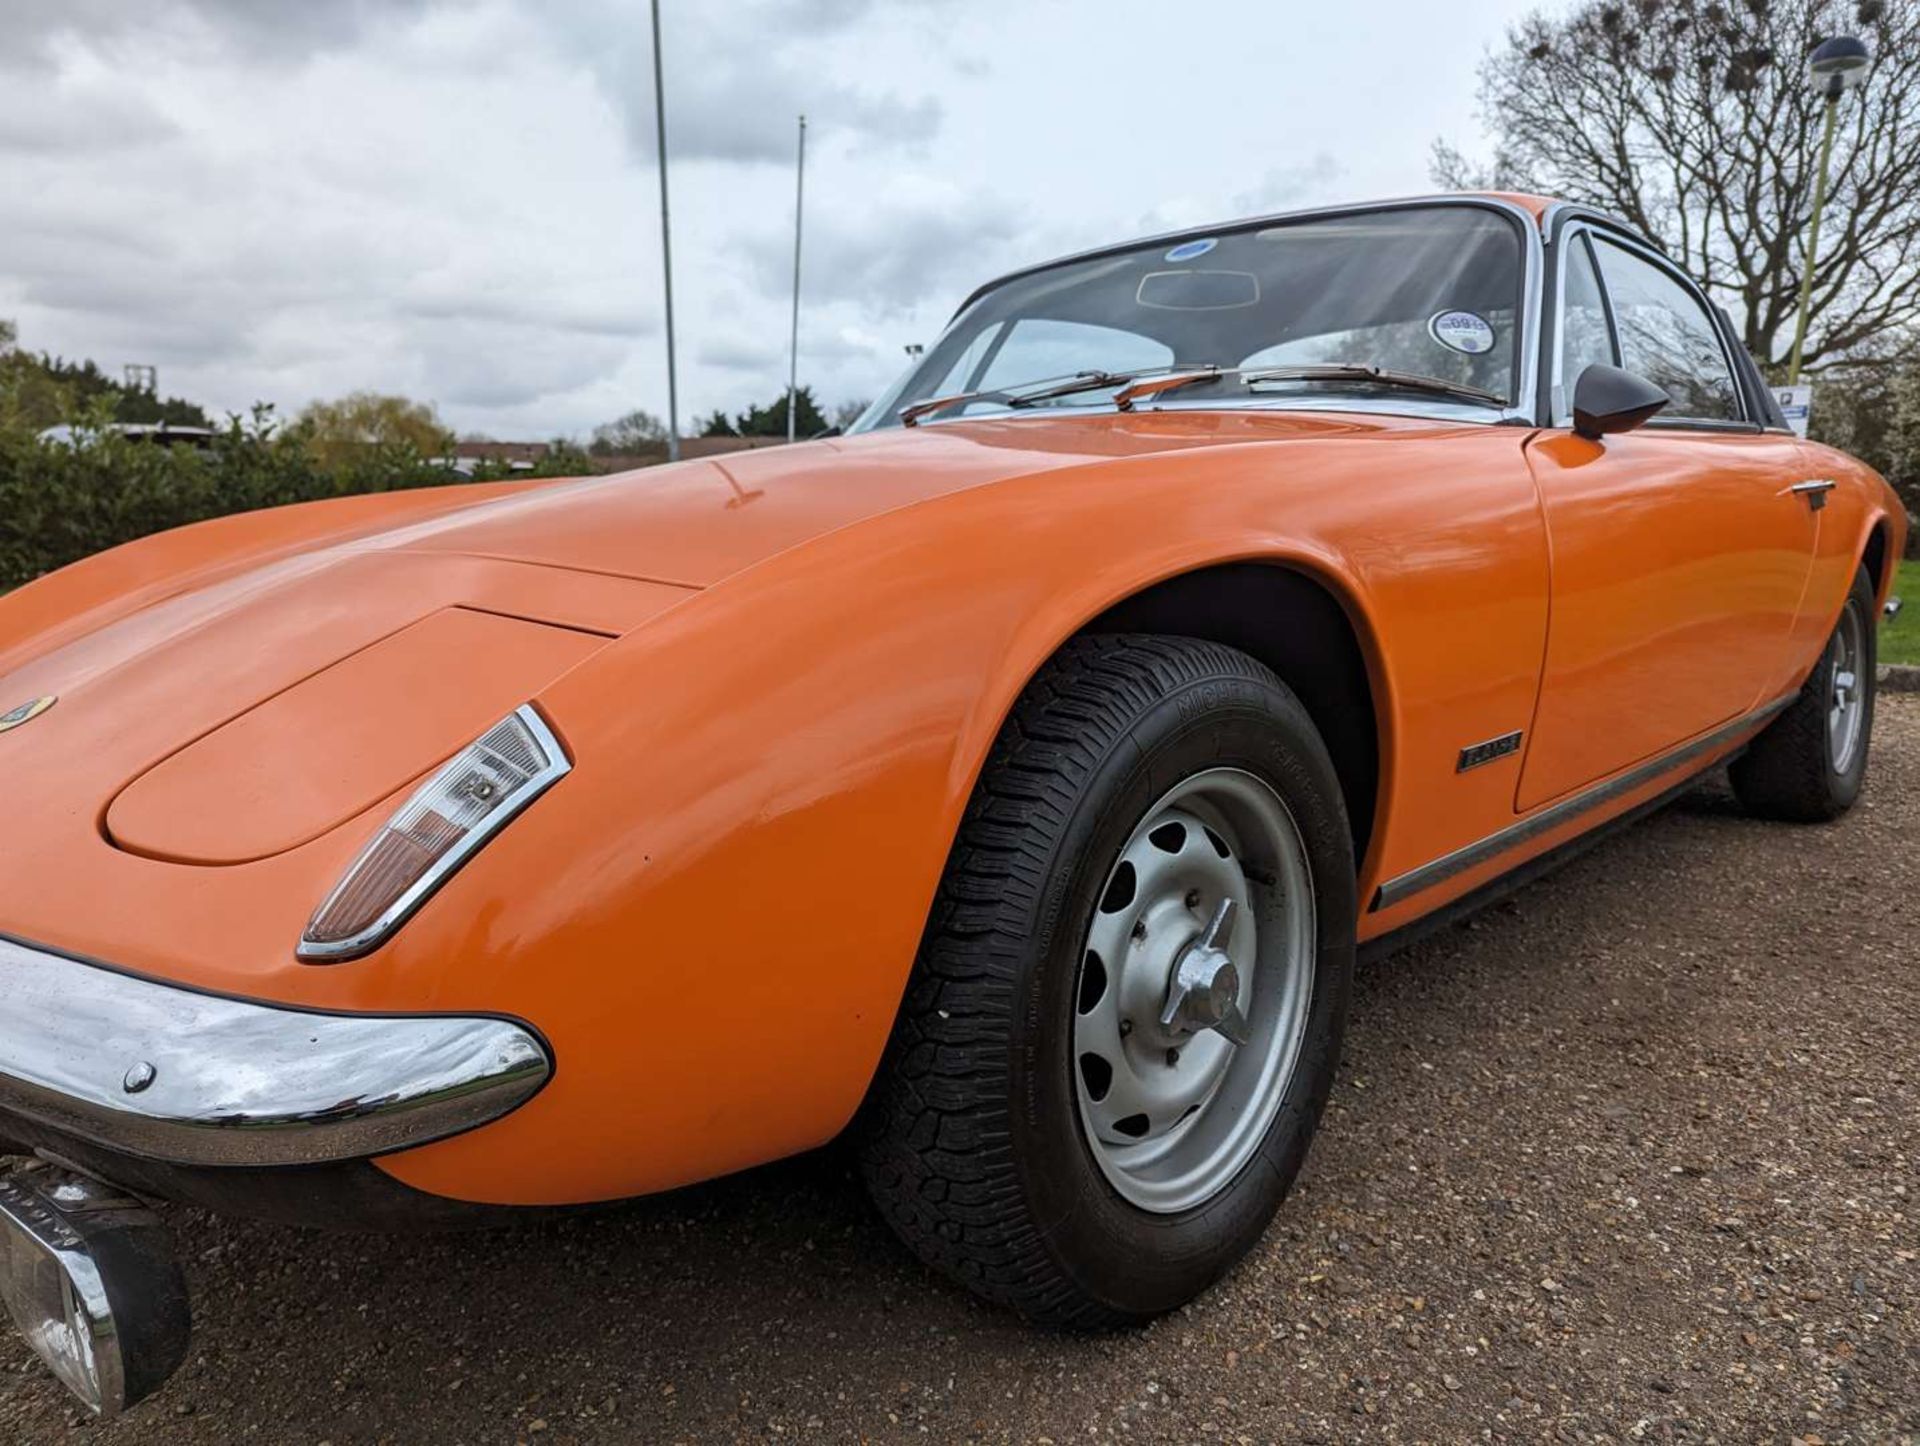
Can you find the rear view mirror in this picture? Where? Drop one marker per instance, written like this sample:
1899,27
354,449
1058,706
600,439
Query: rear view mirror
1198,290
1607,399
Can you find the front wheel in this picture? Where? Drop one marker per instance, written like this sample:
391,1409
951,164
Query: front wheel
1127,1010
1809,764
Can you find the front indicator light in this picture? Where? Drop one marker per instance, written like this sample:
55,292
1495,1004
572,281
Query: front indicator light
443,825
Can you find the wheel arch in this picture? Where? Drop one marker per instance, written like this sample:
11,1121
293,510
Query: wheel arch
1306,628
1334,663
1874,556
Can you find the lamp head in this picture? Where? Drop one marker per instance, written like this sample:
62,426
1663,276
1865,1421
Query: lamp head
1838,64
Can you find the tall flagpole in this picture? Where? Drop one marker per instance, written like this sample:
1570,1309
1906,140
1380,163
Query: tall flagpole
793,351
666,239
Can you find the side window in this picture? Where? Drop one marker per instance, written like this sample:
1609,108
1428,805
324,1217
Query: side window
968,362
1667,337
1585,337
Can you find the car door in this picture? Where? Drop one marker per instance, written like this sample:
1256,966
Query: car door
1679,551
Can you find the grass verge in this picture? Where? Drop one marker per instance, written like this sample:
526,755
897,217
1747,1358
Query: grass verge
1900,639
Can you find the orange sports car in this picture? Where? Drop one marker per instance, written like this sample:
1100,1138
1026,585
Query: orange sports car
1015,778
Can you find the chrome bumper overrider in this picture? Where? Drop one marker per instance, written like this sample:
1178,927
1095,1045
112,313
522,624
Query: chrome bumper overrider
168,1074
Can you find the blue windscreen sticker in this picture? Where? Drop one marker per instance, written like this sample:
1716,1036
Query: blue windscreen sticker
1192,250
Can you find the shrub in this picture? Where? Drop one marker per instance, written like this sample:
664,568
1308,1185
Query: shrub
1874,413
60,502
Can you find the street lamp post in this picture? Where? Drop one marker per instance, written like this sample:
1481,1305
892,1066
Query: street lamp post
666,237
793,347
1835,67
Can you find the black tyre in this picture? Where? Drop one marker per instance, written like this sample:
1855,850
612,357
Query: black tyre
1128,1006
1810,762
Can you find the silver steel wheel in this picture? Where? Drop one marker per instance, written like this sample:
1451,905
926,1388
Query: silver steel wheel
1847,703
1196,982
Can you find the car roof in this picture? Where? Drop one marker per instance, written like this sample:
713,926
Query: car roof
1544,211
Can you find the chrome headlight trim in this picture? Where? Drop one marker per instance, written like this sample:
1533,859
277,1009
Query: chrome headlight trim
406,904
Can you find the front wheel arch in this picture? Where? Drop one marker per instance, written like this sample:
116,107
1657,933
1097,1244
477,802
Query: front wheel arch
1873,557
1307,633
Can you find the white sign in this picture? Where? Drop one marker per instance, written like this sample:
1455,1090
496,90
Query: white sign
1464,331
1797,404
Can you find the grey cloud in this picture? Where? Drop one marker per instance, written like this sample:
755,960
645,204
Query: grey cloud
735,352
42,116
521,308
729,99
243,282
735,89
1279,188
743,117
262,28
1283,187
832,348
897,256
486,366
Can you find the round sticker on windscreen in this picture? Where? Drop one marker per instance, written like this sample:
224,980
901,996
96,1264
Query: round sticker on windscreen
1190,250
1462,331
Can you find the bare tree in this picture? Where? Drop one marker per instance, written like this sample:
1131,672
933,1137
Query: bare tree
1694,121
847,413
637,431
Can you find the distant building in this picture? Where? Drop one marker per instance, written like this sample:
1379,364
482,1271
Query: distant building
515,456
718,446
162,434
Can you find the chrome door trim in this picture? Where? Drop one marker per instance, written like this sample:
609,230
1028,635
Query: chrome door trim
1558,393
1404,886
1814,490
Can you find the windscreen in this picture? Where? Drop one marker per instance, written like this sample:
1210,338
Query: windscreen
1431,291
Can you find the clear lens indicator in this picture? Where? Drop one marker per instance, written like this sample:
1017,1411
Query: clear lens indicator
434,832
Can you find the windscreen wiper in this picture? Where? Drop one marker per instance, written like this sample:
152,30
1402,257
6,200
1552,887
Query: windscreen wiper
1152,381
1134,390
1080,382
1378,376
1016,396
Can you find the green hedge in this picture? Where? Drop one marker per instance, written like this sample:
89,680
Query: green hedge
60,503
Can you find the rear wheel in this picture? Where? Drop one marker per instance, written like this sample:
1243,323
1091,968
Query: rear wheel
1128,1005
1810,762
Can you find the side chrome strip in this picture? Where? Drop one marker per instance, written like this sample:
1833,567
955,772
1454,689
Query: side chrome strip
200,1079
1406,885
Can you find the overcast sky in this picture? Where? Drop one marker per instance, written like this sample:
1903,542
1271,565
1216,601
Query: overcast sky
289,199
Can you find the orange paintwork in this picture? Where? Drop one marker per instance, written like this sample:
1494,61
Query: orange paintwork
308,759
778,675
1678,571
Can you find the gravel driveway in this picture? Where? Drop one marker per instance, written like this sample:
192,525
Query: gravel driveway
1631,1157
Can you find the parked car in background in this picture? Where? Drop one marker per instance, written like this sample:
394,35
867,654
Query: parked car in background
1016,778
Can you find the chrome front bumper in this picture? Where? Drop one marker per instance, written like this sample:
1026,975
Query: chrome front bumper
167,1074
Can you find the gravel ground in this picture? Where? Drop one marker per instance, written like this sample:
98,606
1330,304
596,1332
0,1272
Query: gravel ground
1630,1157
